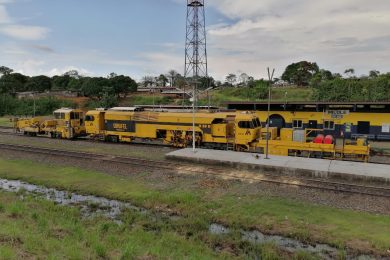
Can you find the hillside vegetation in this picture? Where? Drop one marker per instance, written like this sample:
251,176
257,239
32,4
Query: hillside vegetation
220,96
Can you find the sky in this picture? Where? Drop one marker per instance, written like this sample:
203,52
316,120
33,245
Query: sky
146,37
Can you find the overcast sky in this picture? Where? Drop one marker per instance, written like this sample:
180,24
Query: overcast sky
146,37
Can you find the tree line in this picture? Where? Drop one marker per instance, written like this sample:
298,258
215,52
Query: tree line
94,87
328,86
103,91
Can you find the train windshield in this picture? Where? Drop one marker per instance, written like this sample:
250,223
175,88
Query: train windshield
246,124
59,115
256,122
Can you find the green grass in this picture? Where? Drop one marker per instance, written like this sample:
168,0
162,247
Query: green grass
293,94
219,97
5,121
32,228
200,207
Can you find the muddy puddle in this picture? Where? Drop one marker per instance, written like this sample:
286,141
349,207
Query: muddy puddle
91,206
324,251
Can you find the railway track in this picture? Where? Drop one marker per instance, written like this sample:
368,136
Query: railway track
180,167
6,128
10,131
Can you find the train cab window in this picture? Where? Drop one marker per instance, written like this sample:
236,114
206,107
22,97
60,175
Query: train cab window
74,115
328,125
298,124
89,118
313,124
256,122
363,127
245,124
59,115
219,121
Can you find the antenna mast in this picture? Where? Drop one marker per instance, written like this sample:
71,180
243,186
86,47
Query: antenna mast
195,48
195,51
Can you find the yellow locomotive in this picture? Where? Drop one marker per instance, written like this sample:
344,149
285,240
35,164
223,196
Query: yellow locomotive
66,123
235,131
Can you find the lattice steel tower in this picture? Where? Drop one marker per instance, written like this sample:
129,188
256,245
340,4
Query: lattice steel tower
195,49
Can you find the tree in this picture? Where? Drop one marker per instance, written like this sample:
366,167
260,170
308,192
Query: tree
73,74
231,79
244,79
75,84
61,82
38,83
349,72
108,100
148,81
180,81
95,87
122,84
12,83
162,80
206,82
337,75
5,70
251,82
172,75
112,75
374,73
321,76
300,73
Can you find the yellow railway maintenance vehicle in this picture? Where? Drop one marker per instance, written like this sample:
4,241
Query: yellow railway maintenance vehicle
235,131
292,142
348,120
239,131
66,123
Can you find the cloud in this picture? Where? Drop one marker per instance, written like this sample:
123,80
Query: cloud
24,32
155,63
18,31
4,17
42,48
336,34
62,71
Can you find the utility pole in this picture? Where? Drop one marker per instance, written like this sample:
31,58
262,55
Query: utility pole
270,77
195,51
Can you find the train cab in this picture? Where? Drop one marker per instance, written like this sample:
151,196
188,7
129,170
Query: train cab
247,129
68,123
94,122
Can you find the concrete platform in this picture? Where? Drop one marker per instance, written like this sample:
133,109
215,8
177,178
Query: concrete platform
283,165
